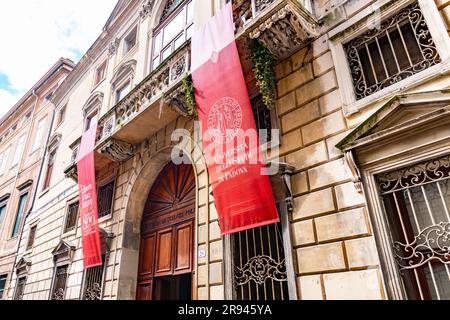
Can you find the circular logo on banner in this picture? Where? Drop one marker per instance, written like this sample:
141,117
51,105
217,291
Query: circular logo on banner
225,120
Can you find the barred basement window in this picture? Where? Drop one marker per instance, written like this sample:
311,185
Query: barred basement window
260,265
402,47
417,203
93,282
105,199
2,284
263,118
31,238
20,288
59,283
72,217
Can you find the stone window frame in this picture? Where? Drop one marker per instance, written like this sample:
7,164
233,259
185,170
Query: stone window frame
370,157
66,211
4,276
25,190
32,225
361,23
4,202
126,72
61,259
52,148
112,178
92,106
97,82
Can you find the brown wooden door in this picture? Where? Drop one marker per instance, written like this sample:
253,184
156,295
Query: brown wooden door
167,232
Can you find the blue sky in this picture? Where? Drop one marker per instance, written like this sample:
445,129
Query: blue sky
38,33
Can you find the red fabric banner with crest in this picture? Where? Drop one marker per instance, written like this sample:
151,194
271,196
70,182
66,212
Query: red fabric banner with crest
92,256
242,192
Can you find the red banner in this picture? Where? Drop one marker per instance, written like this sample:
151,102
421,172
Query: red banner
92,255
242,193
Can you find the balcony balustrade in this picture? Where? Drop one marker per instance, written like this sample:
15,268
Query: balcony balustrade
154,103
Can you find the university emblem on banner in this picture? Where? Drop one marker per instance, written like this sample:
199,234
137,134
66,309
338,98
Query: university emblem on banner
225,120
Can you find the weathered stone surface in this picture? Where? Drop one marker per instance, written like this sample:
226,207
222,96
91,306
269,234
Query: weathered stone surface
314,204
323,64
310,288
300,183
309,156
342,225
322,258
215,273
286,103
330,102
347,196
295,79
324,127
328,174
303,233
300,116
316,88
362,253
356,285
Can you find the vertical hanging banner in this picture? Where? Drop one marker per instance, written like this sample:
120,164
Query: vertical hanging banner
92,256
242,192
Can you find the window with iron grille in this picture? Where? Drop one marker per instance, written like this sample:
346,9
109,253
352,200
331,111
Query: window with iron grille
20,288
72,217
105,199
260,265
263,118
400,48
59,283
93,282
416,200
31,238
2,284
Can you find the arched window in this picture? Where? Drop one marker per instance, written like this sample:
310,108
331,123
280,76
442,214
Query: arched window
175,28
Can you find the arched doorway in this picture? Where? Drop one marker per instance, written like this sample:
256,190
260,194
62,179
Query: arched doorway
167,236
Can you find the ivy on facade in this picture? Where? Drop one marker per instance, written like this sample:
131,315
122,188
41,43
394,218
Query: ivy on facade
264,69
189,90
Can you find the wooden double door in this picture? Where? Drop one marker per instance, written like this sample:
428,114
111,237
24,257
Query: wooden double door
167,237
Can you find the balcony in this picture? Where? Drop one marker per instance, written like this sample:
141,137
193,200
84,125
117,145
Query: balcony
154,103
71,171
283,26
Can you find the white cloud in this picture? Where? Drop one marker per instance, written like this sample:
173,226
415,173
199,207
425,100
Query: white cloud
36,33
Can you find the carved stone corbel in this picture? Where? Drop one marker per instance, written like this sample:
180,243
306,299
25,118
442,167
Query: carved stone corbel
356,173
117,151
113,46
72,172
286,31
147,8
177,100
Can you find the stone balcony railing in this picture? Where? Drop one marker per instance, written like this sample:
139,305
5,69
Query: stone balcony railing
155,102
71,171
283,26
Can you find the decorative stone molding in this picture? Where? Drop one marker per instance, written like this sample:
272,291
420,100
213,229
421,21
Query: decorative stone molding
161,83
72,172
117,151
356,173
113,47
177,100
146,9
54,142
23,265
286,30
63,251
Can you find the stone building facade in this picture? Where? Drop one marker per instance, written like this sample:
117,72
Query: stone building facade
362,96
24,132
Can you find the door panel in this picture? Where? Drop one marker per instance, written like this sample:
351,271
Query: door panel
164,252
183,245
144,291
147,256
